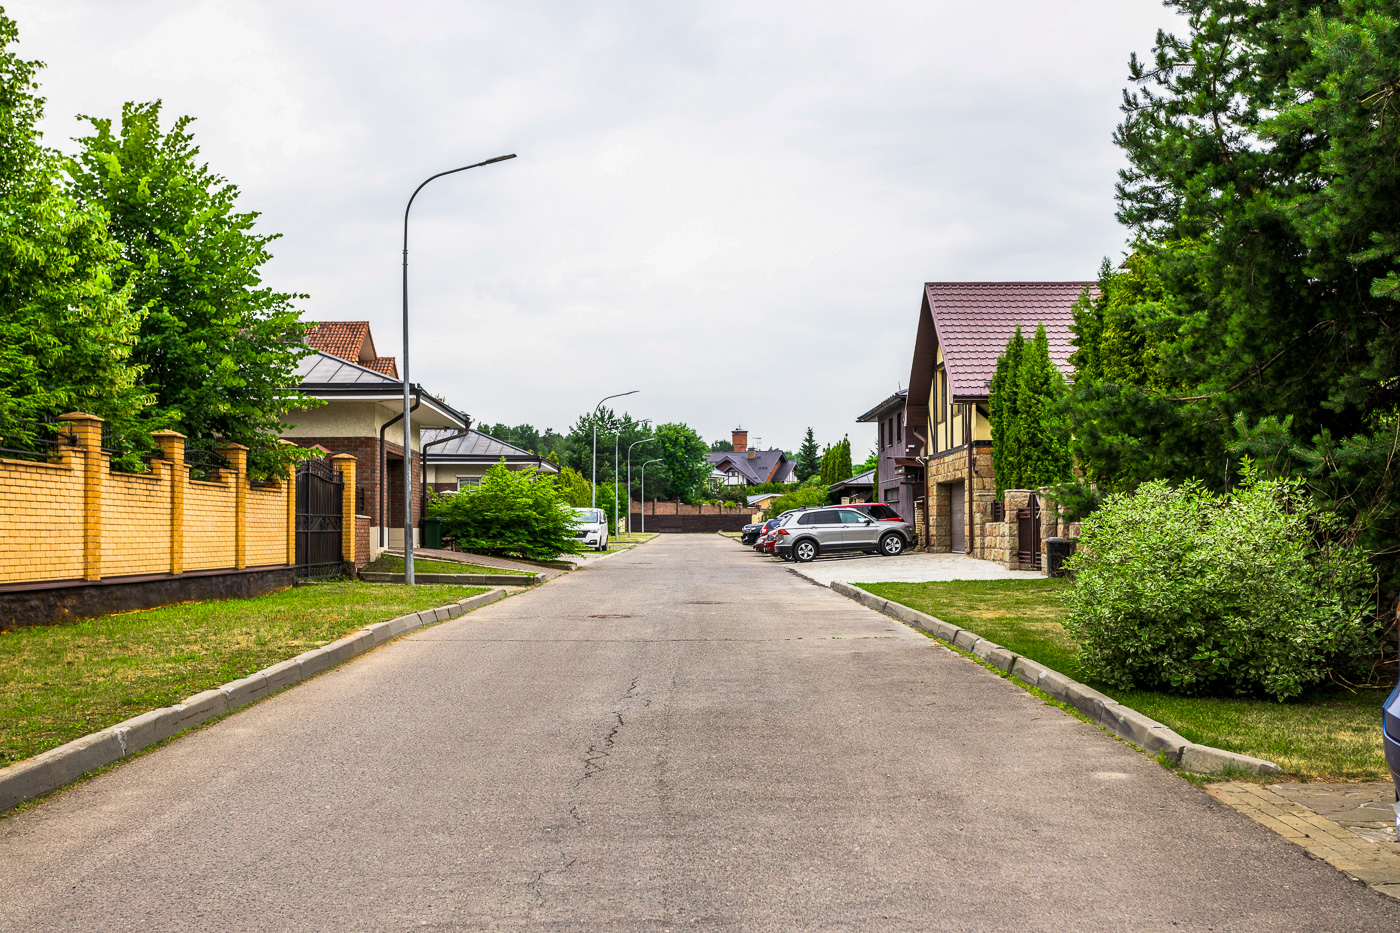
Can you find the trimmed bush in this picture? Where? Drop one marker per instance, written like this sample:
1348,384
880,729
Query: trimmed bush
1181,590
511,513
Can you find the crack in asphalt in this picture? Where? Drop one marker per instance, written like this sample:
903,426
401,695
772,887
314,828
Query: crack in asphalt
594,759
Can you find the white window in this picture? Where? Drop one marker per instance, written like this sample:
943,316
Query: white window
464,481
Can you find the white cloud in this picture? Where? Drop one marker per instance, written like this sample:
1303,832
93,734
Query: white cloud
733,203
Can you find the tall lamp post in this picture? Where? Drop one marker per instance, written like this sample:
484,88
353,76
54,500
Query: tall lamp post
629,474
644,492
407,433
594,477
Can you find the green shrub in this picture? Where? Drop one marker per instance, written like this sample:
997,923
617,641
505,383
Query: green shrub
1198,594
803,495
511,512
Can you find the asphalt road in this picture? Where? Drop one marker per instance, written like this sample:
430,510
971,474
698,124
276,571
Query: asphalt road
678,737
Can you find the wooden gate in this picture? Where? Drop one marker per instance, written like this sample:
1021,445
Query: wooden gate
318,533
1028,534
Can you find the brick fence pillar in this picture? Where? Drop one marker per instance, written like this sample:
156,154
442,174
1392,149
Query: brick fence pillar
172,449
291,485
346,464
237,456
88,430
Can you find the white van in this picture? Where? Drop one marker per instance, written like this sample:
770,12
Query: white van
591,527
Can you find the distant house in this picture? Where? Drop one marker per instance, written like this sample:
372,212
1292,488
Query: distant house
945,434
745,466
900,475
457,459
762,500
362,415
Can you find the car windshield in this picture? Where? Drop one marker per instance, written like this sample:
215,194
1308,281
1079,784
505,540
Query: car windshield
588,516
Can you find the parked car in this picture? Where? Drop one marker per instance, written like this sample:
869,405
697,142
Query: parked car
591,527
805,536
764,531
750,533
876,510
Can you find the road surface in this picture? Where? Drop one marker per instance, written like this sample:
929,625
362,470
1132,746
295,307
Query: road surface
682,736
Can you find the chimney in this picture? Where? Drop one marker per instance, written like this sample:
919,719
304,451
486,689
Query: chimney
753,454
741,440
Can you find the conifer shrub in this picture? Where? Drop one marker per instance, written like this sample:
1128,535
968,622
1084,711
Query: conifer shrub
1252,593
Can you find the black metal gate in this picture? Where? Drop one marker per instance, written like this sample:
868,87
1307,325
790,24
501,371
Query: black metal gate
1028,533
319,492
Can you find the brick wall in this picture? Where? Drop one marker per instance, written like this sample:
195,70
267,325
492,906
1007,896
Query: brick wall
75,519
662,507
361,540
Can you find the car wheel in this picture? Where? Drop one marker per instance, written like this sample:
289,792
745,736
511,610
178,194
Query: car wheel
891,545
804,551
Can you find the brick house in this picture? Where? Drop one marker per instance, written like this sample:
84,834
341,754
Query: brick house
899,476
963,329
362,415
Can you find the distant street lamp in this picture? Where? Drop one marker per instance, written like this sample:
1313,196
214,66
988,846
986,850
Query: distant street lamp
644,492
595,442
407,433
645,440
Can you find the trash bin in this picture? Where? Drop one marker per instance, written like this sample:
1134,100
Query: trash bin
432,533
1057,551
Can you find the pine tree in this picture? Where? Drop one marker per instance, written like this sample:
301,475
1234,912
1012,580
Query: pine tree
843,459
809,459
1003,414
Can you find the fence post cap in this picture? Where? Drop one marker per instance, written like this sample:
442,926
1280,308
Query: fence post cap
167,433
79,416
231,446
342,457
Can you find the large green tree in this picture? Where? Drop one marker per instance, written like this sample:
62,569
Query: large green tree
66,327
219,348
685,466
1042,438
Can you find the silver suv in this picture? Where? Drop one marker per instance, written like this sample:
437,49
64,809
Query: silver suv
806,534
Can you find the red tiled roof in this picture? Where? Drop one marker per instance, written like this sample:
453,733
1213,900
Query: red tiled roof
343,339
384,364
974,320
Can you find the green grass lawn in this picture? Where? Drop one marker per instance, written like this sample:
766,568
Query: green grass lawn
1332,734
392,563
60,682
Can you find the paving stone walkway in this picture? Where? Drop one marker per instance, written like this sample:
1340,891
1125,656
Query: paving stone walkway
1332,822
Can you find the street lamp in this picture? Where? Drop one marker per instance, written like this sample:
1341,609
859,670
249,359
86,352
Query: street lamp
644,492
595,442
629,474
407,433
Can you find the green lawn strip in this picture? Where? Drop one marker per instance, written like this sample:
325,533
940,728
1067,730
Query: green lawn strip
60,682
392,563
1331,734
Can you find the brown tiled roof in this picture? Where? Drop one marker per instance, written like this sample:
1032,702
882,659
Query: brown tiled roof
384,364
974,320
339,338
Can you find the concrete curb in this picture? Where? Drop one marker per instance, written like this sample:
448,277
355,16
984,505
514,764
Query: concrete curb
468,579
1105,712
33,777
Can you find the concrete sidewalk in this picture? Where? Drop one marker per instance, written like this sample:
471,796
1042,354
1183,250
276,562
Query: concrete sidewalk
910,567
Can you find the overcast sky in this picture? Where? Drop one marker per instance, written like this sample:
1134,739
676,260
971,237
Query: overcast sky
730,206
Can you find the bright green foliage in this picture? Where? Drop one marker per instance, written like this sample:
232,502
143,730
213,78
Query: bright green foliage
804,496
1042,434
1182,590
1002,414
219,348
809,459
66,330
511,512
685,466
872,460
836,463
1030,435
605,502
574,488
721,447
525,436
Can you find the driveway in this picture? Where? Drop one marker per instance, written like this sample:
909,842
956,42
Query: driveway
909,567
679,737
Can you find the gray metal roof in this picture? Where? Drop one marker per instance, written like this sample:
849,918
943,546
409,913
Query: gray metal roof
895,401
476,447
323,369
860,479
